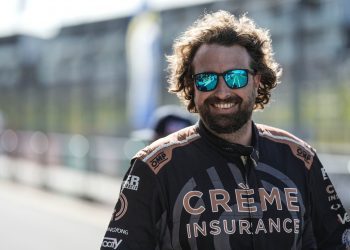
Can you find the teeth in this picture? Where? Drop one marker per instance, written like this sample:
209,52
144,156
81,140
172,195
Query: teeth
224,105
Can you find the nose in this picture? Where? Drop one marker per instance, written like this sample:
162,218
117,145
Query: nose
222,91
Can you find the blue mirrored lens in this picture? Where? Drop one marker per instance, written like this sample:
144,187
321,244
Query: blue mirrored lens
206,81
236,79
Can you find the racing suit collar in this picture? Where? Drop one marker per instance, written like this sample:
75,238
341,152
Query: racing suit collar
232,147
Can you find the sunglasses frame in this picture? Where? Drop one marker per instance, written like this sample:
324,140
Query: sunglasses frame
248,71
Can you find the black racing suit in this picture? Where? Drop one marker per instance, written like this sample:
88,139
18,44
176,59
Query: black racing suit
192,190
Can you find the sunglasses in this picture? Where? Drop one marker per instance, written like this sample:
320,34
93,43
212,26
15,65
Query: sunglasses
234,79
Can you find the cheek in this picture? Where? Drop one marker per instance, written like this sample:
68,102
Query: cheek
247,94
200,97
196,97
251,90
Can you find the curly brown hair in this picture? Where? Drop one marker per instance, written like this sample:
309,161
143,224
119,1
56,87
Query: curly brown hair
225,29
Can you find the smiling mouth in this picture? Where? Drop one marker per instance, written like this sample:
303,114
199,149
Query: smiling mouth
224,105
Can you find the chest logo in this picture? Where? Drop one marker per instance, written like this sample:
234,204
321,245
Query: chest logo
158,159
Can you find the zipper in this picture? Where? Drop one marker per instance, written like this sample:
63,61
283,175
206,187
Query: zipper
244,161
246,170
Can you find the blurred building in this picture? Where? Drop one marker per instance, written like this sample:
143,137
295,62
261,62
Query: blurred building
84,68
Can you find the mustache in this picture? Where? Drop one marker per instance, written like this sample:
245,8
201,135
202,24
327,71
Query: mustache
230,99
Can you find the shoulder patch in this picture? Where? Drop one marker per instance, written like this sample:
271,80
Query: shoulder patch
300,149
157,154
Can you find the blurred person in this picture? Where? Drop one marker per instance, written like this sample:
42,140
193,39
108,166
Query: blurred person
165,120
227,182
169,119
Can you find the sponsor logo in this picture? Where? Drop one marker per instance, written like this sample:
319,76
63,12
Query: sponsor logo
346,238
245,200
245,203
335,206
111,242
324,174
229,227
330,189
122,207
332,194
344,219
132,182
118,230
156,161
304,154
333,197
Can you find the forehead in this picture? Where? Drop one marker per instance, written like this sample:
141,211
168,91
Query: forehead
219,58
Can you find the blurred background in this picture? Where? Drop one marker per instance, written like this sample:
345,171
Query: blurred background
79,80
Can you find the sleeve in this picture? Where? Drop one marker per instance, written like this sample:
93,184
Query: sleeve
134,220
330,221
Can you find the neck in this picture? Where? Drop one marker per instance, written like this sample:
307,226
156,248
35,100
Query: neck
243,136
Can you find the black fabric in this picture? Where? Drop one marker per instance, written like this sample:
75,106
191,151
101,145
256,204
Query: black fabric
192,190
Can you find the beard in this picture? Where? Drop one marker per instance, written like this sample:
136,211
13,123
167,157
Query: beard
227,123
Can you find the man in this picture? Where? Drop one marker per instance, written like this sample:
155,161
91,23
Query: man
226,182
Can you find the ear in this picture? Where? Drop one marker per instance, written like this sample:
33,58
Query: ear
257,81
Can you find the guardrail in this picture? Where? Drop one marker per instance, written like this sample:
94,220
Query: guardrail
102,154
